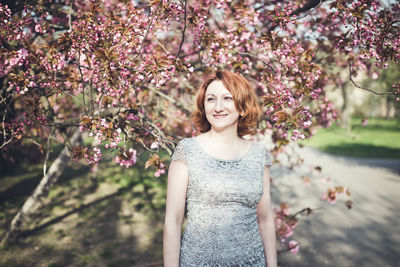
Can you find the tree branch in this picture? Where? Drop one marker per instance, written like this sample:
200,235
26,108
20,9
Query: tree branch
311,4
306,210
48,149
255,57
183,32
147,31
365,88
69,16
5,141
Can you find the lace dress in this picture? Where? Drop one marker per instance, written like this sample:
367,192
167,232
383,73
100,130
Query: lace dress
222,198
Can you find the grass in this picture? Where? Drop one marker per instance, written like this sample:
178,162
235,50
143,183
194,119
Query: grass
110,218
380,138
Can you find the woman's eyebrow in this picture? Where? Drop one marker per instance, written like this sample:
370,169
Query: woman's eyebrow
222,94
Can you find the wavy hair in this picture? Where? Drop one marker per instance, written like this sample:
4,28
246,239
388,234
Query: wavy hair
244,98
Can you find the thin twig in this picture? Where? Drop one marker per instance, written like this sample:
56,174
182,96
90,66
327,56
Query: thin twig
255,57
6,142
308,210
69,17
90,87
147,32
9,140
81,66
367,89
162,46
183,33
162,94
83,87
74,97
170,99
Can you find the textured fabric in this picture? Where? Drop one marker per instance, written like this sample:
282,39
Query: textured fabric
222,198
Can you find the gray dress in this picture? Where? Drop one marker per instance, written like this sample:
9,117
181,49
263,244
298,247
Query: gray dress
222,198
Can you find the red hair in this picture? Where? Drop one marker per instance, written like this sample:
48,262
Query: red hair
243,95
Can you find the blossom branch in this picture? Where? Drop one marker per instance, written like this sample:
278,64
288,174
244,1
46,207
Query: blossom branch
139,53
255,57
170,99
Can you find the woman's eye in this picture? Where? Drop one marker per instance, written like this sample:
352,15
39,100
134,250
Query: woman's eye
210,99
228,98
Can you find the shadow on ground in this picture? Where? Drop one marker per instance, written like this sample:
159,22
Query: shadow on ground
327,241
367,235
112,219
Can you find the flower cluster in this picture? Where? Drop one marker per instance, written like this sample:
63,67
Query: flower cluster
127,158
91,156
332,194
368,31
160,170
285,224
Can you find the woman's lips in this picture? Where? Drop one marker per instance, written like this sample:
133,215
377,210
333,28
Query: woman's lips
220,116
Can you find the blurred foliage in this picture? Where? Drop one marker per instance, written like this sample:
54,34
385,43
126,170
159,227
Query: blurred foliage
379,138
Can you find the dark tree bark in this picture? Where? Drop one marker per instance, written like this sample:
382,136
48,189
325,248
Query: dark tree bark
306,7
309,5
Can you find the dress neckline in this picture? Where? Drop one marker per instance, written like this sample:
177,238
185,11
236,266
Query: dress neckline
201,149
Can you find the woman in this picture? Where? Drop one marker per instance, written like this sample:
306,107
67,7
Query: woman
224,179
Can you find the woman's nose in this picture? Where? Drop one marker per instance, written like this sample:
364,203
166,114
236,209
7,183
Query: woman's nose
219,105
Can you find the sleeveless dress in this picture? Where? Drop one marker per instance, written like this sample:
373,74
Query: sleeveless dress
221,199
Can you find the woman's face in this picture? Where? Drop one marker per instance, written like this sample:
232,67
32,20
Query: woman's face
219,107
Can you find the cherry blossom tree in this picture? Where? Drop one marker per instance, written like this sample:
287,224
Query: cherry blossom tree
125,73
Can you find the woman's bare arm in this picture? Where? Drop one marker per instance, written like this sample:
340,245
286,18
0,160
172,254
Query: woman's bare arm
266,223
178,177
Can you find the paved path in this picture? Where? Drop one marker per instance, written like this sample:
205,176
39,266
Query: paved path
366,235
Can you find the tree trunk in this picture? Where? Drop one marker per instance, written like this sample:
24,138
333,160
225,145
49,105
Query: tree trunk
47,182
388,107
346,116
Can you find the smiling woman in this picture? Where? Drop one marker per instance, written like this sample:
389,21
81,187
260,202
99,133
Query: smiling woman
224,181
242,94
219,107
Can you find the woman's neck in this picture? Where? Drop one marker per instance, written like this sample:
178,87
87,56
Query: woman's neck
228,136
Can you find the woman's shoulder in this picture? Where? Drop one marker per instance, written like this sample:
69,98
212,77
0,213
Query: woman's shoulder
259,146
263,153
184,144
182,149
185,141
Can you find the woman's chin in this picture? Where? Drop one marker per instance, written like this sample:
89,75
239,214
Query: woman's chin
220,127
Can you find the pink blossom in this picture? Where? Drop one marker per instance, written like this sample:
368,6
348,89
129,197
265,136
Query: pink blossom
294,246
128,160
154,145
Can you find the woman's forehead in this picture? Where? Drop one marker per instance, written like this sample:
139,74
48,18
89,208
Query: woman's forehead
217,88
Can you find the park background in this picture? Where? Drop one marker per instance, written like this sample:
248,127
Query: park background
336,191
